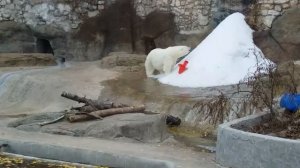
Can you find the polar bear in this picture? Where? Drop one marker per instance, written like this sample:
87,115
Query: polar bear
164,60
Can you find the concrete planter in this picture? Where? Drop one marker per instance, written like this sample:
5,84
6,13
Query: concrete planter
240,149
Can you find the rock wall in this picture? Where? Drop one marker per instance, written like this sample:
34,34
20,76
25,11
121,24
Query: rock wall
190,15
281,42
265,11
23,24
121,25
65,14
196,15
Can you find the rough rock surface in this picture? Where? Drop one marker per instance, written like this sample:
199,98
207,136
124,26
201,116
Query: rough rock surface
121,25
15,37
269,46
286,31
282,42
262,13
124,127
290,74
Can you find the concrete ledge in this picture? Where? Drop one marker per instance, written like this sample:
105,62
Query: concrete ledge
78,155
93,151
240,149
66,149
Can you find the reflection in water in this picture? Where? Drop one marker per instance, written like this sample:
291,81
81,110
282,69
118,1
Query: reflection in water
173,100
192,105
199,139
138,83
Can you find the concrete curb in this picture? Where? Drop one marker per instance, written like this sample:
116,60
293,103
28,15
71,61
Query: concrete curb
240,149
80,154
94,151
84,156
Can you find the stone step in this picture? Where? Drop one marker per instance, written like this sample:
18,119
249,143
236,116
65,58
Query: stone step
102,152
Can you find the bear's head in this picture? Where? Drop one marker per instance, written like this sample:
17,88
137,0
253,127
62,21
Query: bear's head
179,51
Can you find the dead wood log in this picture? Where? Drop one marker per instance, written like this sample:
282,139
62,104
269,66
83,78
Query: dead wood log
105,113
85,109
89,102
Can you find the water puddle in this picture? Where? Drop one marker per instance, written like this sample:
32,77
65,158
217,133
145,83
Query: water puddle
136,87
199,139
136,83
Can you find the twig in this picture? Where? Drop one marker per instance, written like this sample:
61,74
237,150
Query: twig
97,105
52,121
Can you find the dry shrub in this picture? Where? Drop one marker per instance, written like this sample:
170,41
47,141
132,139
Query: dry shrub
263,86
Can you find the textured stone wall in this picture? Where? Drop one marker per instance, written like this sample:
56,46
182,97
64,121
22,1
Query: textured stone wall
66,14
196,15
190,15
90,29
265,11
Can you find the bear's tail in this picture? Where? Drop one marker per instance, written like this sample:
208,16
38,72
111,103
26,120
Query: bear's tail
149,68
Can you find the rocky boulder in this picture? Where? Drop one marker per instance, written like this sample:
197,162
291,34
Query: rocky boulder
282,42
15,37
124,127
289,75
286,31
20,38
270,47
115,28
158,30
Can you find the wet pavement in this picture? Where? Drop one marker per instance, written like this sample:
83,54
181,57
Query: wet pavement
136,84
95,151
128,88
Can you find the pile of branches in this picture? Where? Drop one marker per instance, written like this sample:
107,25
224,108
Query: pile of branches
94,109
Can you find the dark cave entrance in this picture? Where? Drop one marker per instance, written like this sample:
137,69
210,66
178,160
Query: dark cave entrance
44,46
149,44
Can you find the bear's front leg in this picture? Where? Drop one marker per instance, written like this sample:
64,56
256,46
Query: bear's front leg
168,66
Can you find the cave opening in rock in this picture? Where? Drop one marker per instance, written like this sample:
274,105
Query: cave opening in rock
149,44
44,46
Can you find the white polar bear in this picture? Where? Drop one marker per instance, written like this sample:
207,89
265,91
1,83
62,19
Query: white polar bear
164,60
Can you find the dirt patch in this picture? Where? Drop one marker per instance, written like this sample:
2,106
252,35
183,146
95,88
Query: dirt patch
284,126
28,59
124,62
199,139
12,161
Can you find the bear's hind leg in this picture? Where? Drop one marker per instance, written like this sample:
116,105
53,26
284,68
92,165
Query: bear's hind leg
149,68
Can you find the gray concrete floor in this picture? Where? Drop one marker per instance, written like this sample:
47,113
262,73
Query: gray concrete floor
34,143
85,78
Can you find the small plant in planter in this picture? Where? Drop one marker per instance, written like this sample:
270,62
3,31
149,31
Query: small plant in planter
267,85
262,91
237,146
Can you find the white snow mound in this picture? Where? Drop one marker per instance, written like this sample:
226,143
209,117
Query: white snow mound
224,57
